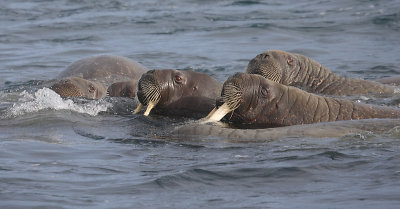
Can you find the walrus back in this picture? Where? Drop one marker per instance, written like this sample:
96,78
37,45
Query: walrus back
106,69
308,108
318,79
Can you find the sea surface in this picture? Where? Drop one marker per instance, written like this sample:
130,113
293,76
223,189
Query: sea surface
62,153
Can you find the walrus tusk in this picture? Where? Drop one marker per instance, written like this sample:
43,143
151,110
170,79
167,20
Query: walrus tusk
217,114
211,113
138,108
205,119
150,106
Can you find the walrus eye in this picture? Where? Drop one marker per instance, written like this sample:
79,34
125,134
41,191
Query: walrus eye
264,92
290,60
91,88
178,79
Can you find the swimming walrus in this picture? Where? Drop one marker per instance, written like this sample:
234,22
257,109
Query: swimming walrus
90,77
79,87
178,92
258,101
123,89
303,72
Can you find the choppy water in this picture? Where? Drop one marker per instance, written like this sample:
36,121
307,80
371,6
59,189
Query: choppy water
59,153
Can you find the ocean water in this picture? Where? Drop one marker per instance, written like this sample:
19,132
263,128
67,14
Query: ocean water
63,153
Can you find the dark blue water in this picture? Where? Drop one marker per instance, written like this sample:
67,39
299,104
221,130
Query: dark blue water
59,153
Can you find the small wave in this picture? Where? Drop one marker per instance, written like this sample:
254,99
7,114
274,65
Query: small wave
245,3
47,99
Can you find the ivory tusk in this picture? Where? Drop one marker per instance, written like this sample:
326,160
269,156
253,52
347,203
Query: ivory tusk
150,106
217,114
138,108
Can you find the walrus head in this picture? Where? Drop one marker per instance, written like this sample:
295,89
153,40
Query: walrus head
123,89
245,95
275,65
79,87
165,88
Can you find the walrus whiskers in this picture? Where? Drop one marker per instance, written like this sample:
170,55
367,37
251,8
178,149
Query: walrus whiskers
151,97
269,70
67,89
231,96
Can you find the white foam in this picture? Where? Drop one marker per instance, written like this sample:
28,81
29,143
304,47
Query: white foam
47,99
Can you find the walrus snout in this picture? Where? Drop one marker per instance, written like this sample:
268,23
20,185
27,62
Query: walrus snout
267,65
232,90
66,88
148,88
79,87
149,92
231,97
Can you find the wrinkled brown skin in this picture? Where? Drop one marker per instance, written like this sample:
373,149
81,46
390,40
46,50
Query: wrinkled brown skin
79,87
199,132
123,89
101,71
271,104
193,96
300,71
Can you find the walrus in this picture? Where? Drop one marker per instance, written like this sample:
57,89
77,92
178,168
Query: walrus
79,87
258,101
95,74
123,89
181,92
303,72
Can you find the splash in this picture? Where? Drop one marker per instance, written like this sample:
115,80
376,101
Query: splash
47,99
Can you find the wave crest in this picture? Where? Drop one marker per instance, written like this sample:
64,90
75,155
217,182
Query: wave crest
46,98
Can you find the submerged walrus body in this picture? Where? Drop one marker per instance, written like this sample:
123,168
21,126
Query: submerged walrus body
258,101
91,76
177,92
207,132
300,71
